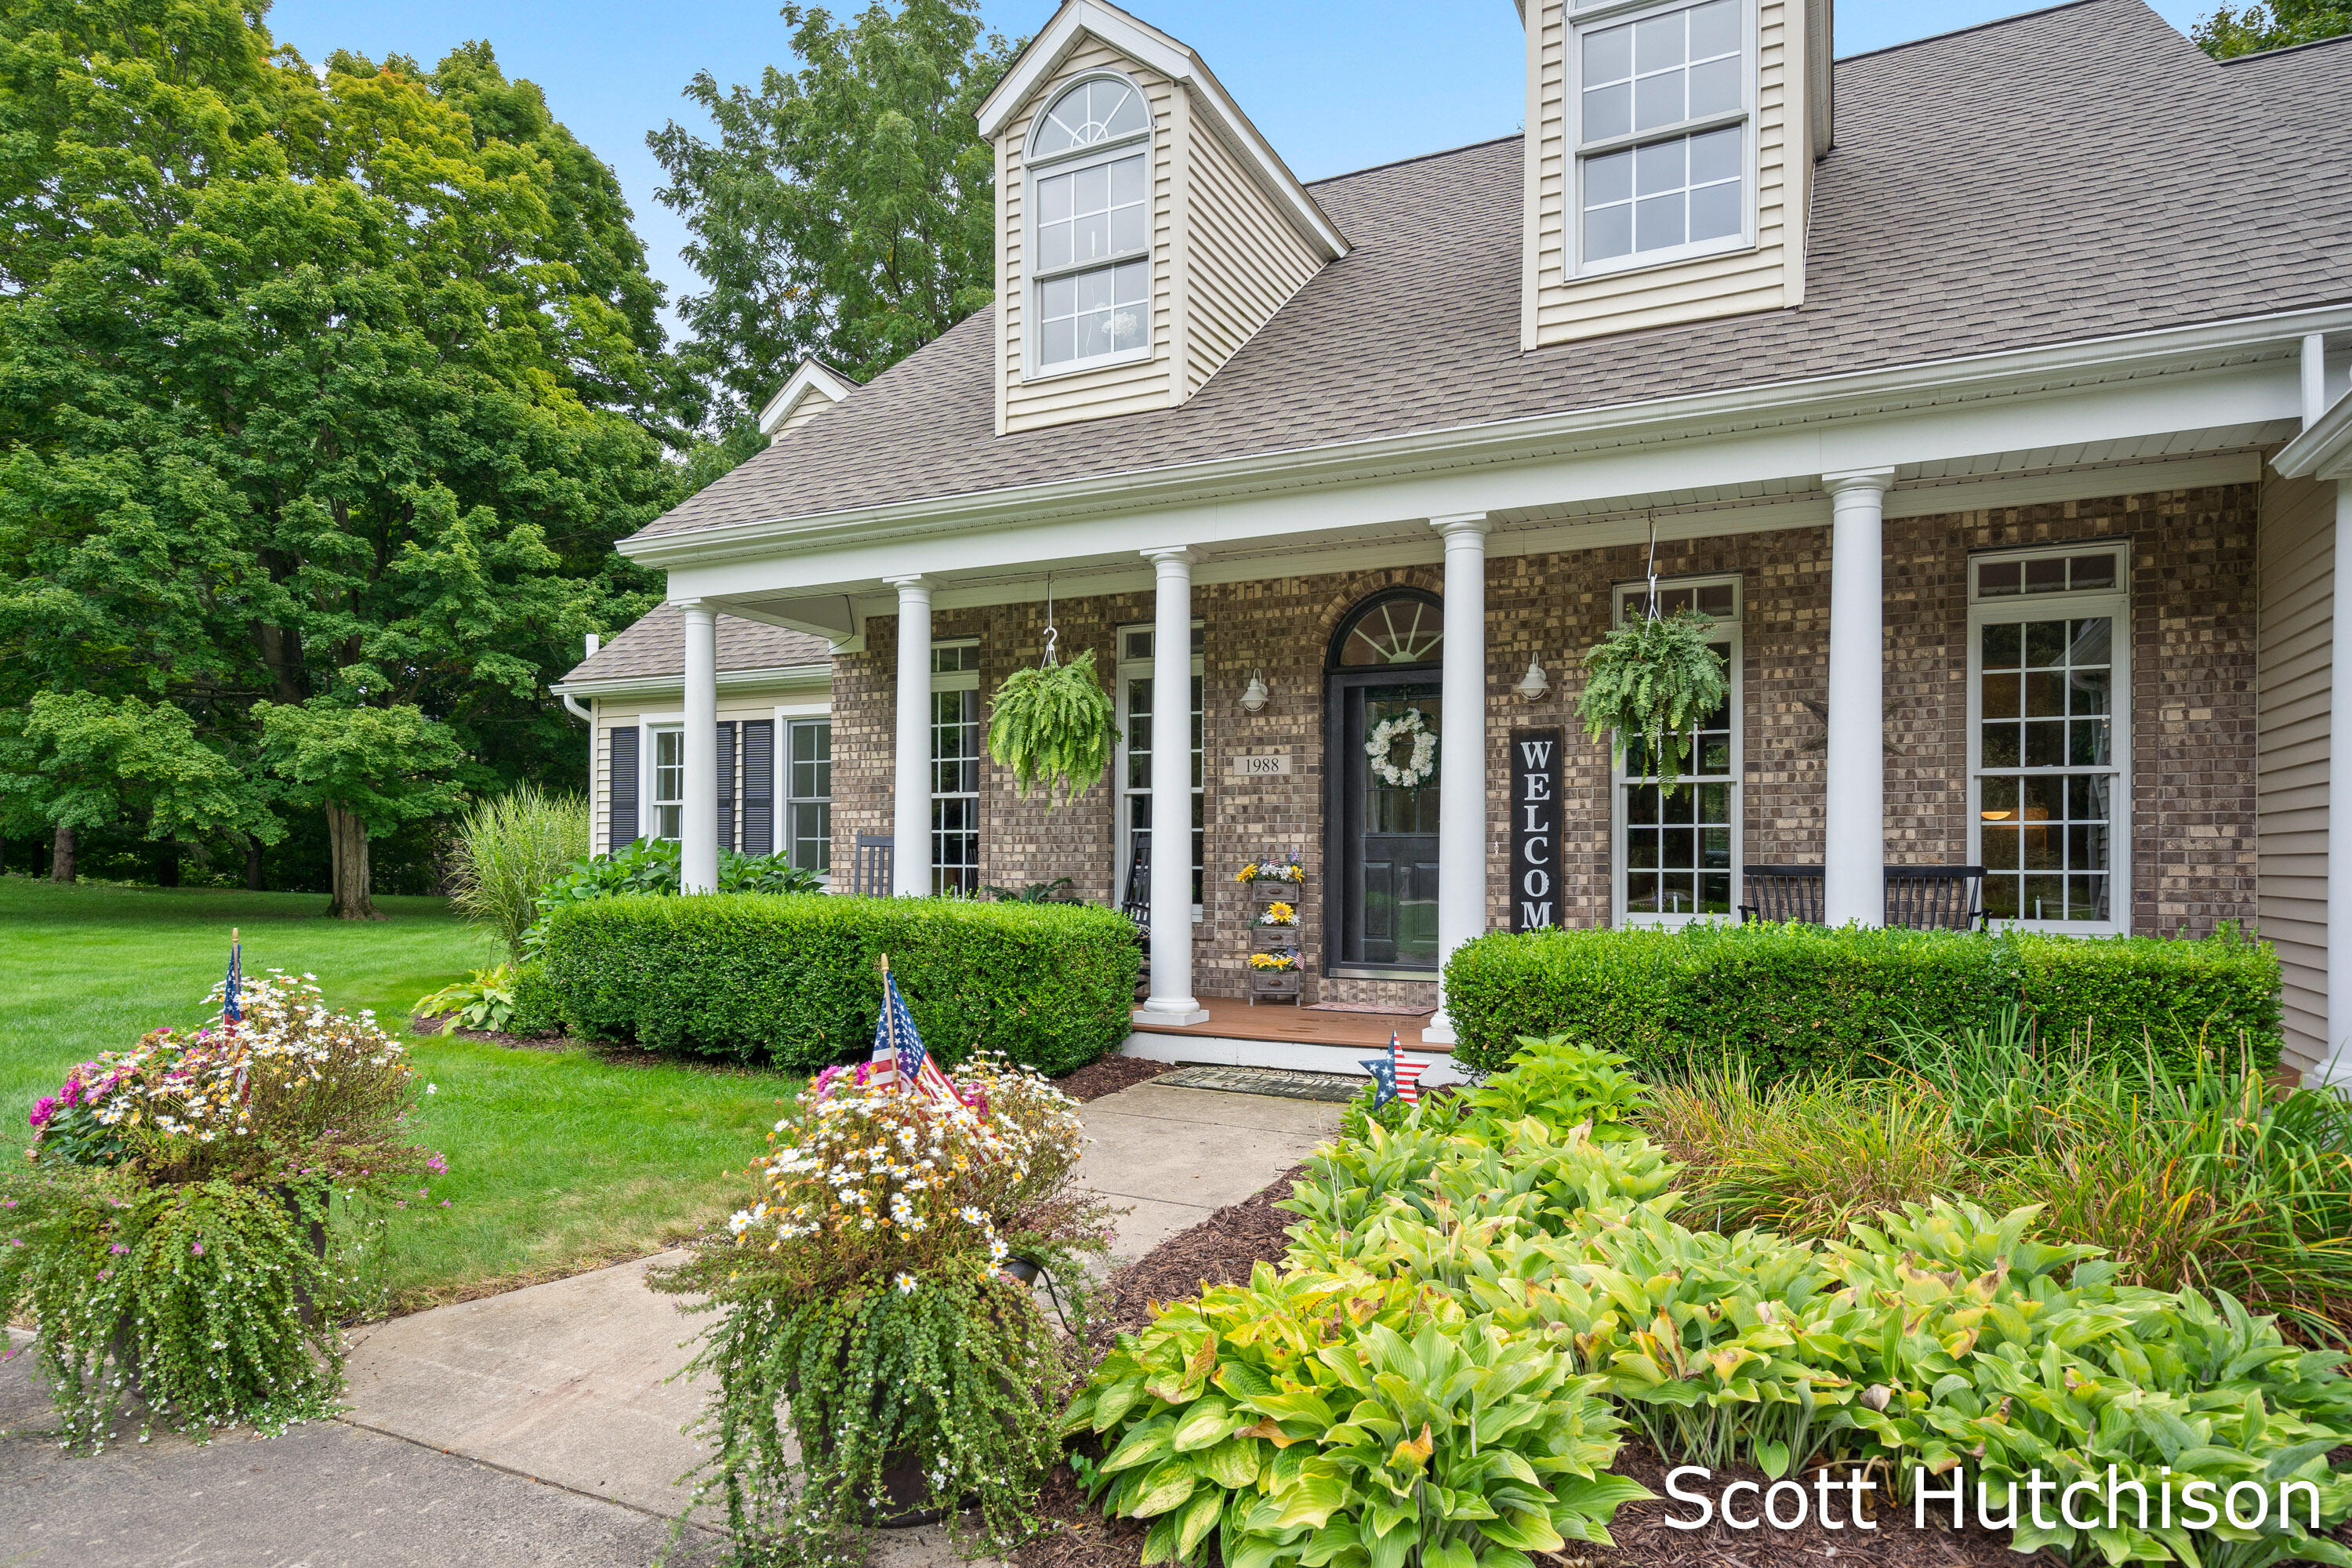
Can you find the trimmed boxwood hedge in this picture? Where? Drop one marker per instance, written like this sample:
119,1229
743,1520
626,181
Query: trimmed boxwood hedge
791,978
1793,999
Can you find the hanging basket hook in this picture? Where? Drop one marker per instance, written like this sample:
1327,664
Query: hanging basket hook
1051,636
1652,567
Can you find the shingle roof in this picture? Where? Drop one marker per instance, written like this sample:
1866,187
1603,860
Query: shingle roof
2074,172
654,648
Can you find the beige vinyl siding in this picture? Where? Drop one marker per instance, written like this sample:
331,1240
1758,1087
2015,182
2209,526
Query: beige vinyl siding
808,409
1025,404
1243,259
1565,308
734,705
2294,552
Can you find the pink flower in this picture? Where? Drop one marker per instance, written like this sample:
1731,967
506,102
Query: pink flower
437,1163
197,1247
43,1109
445,1203
118,1248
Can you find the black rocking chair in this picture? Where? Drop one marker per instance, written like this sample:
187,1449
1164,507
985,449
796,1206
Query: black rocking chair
1919,898
875,859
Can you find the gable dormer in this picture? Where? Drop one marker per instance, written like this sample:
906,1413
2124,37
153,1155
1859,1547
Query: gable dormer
1145,231
1669,159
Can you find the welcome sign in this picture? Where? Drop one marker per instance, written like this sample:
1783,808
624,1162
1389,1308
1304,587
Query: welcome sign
1535,829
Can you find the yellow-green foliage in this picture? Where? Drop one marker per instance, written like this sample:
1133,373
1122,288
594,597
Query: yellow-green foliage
1053,727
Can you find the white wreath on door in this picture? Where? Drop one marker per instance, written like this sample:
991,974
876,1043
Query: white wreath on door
1416,770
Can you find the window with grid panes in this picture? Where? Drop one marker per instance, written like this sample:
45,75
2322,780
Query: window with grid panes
2048,742
1662,128
1678,854
808,794
666,793
955,768
1134,764
1091,204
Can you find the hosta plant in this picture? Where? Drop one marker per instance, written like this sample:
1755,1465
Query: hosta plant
1652,681
485,1000
1053,727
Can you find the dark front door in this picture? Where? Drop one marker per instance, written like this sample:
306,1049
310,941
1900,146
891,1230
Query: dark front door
1386,816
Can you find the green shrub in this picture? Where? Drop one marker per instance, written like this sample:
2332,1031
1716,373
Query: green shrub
656,866
1787,1000
794,977
538,1006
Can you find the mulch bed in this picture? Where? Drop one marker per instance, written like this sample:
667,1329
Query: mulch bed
438,1024
1109,1075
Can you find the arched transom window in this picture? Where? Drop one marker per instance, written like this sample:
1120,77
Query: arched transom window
1092,225
1405,626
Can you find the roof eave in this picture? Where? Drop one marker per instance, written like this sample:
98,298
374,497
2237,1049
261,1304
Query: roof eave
660,685
2323,450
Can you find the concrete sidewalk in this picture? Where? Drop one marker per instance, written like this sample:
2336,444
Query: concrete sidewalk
539,1426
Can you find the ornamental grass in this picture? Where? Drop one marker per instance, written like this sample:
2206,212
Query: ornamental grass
873,1356
199,1211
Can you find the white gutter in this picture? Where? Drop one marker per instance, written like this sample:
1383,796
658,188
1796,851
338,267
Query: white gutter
2323,450
571,702
659,685
1975,376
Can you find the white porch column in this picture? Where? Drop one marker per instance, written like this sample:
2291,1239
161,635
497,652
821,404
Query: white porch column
699,813
1172,1000
910,796
1462,748
2337,1069
1853,883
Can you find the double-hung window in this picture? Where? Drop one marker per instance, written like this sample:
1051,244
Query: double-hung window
1662,121
1678,855
2049,736
808,794
955,768
666,783
1090,226
1136,704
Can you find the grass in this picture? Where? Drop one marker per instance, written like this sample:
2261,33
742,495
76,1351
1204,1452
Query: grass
558,1160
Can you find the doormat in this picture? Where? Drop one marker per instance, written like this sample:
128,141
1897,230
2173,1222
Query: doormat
1334,1086
1377,1009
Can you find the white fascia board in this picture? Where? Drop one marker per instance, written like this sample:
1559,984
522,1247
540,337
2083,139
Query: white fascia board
1847,419
2324,451
811,380
1148,45
788,674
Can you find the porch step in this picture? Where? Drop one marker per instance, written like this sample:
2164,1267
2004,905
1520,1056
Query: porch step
1199,1046
1337,1088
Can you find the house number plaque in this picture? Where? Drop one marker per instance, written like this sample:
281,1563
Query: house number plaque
1273,767
1535,829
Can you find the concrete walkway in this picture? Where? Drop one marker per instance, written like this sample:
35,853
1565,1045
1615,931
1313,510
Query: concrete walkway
537,1427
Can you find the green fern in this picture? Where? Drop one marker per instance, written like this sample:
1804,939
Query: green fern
1053,726
1654,680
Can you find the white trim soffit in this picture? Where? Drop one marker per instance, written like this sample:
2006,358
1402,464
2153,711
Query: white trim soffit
2324,450
1148,46
729,679
812,379
1977,377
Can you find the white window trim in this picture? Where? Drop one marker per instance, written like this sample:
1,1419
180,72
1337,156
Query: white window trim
1593,18
948,680
647,724
1122,671
785,715
1634,593
1033,284
2116,604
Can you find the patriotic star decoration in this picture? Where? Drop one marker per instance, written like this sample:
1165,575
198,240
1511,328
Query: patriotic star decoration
1396,1075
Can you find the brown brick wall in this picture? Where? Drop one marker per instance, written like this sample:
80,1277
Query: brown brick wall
2192,650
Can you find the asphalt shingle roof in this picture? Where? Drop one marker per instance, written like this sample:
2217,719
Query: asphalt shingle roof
654,648
2074,172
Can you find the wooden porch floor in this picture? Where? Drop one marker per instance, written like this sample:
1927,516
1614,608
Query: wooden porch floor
1232,1017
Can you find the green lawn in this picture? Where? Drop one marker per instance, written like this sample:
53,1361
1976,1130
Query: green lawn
558,1160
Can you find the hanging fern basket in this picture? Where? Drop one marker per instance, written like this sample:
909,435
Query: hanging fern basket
1054,728
1653,680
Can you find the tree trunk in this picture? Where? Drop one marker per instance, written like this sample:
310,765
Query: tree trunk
253,878
167,863
348,851
61,854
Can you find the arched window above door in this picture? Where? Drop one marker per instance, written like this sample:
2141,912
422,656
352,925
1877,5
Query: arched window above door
1401,626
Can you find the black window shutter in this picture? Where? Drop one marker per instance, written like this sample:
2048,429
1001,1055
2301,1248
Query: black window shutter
620,782
759,786
727,784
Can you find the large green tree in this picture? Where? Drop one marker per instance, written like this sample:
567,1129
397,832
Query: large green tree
845,209
328,389
2272,25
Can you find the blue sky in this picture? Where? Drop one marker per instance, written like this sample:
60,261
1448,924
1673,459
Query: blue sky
1334,84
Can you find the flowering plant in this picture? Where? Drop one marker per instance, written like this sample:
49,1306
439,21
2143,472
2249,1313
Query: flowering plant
1280,870
1278,914
864,1291
190,1223
1276,960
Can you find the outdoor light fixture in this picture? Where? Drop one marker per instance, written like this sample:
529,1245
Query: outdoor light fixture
1535,682
1253,696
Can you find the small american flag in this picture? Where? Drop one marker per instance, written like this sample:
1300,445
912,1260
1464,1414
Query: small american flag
899,1059
232,1010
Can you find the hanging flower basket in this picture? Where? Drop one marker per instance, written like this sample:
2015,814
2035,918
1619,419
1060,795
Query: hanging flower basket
1404,751
1653,680
1053,727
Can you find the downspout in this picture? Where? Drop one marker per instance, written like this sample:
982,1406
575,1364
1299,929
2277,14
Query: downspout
574,705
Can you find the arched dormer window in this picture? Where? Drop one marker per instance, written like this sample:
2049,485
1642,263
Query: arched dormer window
1091,201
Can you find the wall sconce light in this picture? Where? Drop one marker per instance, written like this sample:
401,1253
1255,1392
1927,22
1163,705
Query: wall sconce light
1254,695
1535,682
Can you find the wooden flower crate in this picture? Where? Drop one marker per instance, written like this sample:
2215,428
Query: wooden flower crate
1274,982
1266,890
1265,939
